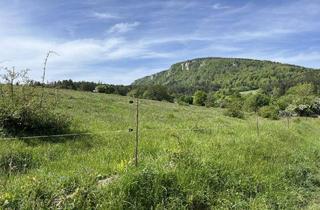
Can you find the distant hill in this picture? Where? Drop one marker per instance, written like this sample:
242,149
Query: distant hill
211,74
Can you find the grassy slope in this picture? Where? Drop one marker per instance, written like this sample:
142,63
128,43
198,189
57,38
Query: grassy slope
227,166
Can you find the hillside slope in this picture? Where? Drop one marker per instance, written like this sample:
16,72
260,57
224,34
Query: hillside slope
211,74
189,158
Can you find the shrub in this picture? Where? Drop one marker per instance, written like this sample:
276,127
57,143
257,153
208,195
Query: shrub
255,101
199,98
185,100
234,110
304,110
29,119
271,112
222,103
211,100
316,106
25,112
156,92
284,101
101,89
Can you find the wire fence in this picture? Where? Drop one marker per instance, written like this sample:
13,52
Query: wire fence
101,132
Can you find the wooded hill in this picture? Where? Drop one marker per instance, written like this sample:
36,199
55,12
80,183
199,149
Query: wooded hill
212,74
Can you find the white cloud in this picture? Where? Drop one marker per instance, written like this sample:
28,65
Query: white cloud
74,56
218,6
104,15
258,34
123,27
309,59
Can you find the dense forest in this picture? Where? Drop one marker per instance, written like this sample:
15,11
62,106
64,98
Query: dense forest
86,86
213,74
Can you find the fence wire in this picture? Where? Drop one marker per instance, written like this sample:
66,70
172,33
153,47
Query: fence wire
101,132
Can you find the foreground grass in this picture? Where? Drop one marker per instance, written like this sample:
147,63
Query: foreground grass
223,166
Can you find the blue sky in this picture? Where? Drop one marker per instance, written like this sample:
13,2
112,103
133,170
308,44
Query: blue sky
119,41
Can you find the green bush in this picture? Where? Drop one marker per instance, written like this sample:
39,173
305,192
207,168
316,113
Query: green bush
234,109
156,92
211,100
234,112
316,106
199,98
20,120
255,101
182,100
304,110
27,111
101,89
271,112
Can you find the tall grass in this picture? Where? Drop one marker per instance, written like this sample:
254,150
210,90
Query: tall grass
226,166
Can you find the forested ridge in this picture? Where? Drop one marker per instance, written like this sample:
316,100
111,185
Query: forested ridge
212,74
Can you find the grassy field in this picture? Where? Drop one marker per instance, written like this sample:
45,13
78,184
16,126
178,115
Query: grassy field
190,158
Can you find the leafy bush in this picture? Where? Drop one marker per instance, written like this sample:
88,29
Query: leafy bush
23,110
304,110
255,101
199,98
271,112
211,100
156,92
101,89
316,106
19,120
185,100
234,110
222,103
108,89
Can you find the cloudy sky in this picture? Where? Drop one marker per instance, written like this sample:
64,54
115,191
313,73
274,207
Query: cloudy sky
119,41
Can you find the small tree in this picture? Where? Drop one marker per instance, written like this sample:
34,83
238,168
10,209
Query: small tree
254,102
199,98
211,100
10,77
234,109
101,89
271,112
157,92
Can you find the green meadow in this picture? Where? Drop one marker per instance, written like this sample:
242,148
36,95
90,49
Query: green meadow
190,157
